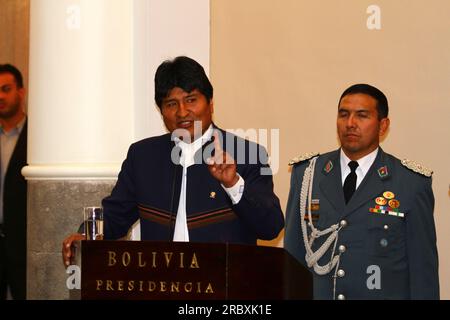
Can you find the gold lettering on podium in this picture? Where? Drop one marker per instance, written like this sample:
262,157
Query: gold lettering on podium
194,262
126,259
181,260
168,256
175,287
163,286
112,259
154,260
141,265
188,287
209,289
141,262
153,286
99,284
109,285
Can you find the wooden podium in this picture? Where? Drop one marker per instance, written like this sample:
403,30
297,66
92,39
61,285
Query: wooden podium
147,270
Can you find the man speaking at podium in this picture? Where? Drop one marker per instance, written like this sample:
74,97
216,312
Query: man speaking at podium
198,182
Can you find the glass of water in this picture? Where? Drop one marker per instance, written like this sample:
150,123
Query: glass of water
93,223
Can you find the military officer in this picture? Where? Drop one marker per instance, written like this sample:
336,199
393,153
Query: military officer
358,217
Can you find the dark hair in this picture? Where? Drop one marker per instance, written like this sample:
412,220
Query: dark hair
184,73
9,68
382,103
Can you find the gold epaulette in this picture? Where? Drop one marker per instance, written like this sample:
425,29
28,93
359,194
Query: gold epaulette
303,157
414,166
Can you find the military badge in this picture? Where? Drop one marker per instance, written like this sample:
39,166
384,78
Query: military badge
383,172
328,167
394,204
389,195
380,201
314,217
392,207
387,210
212,195
315,204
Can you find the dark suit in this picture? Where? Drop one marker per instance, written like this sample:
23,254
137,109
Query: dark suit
149,186
404,248
14,251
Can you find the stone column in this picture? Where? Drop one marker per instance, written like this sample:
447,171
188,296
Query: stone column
80,123
92,64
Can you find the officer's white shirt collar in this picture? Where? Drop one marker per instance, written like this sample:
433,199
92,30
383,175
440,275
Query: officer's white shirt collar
364,165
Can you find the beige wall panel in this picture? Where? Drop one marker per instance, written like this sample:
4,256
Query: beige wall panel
284,63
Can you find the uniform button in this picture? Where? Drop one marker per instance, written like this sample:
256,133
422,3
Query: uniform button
384,242
341,273
386,227
343,223
342,248
341,297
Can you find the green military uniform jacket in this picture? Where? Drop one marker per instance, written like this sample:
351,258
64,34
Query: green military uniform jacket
385,252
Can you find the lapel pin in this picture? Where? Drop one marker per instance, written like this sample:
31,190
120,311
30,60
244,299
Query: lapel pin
328,167
383,172
212,195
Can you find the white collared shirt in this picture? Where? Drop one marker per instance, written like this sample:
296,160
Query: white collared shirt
364,165
188,151
8,141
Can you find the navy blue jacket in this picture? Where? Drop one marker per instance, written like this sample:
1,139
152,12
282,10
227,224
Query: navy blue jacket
404,249
149,184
